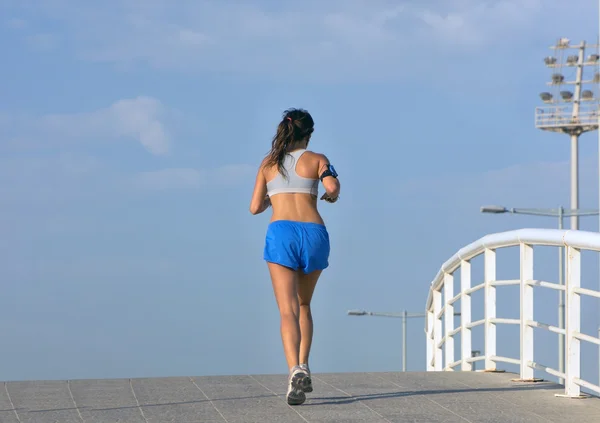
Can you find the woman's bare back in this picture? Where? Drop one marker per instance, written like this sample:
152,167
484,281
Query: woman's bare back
298,207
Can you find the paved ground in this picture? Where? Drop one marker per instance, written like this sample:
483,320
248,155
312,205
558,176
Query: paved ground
345,398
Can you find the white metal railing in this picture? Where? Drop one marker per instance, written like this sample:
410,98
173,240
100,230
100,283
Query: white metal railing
562,116
441,340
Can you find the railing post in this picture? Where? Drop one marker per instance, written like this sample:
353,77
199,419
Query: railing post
449,319
490,308
573,322
429,340
437,330
465,315
526,311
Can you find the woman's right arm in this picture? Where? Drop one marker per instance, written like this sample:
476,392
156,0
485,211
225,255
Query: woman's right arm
330,182
259,202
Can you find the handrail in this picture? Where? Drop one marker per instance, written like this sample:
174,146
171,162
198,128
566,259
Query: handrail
441,340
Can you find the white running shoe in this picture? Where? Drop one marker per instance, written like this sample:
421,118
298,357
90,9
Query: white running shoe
295,393
307,381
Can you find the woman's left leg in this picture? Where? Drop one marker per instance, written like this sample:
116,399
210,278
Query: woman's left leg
306,288
285,288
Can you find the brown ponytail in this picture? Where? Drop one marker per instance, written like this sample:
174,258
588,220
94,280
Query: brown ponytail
296,125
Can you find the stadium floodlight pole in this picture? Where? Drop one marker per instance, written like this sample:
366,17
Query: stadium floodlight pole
583,116
571,113
561,213
404,315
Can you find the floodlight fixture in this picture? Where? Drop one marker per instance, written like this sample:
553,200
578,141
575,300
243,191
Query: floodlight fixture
494,209
546,97
593,58
572,60
566,95
550,60
587,95
357,313
558,78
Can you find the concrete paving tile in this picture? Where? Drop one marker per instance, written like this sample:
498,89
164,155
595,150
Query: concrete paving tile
390,400
176,400
325,404
43,401
408,417
244,399
106,400
7,412
505,400
544,403
8,416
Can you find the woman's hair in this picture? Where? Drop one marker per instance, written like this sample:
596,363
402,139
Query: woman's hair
296,126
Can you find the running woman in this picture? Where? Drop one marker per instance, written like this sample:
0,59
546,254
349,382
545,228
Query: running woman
297,242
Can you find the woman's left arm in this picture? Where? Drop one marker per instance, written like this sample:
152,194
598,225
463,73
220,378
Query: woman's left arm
260,202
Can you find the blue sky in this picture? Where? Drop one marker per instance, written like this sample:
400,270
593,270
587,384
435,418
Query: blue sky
129,137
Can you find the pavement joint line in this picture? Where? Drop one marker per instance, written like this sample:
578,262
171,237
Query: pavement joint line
268,389
209,400
73,399
429,399
11,402
137,401
352,396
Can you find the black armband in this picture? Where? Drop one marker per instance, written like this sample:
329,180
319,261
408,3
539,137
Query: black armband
330,171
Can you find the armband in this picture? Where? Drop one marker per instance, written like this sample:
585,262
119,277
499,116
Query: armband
330,171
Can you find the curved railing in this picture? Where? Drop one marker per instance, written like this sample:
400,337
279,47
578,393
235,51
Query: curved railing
441,300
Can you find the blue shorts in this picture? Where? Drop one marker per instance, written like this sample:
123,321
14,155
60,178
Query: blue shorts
297,245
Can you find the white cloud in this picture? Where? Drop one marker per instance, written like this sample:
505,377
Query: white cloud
476,23
169,179
234,174
540,184
443,212
378,36
41,162
140,119
45,182
188,178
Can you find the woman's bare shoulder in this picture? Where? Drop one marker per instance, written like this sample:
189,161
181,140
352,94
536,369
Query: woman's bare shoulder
267,169
315,155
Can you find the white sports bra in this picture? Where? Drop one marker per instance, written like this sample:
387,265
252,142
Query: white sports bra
294,182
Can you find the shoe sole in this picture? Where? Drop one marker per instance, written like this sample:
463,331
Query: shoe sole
307,384
296,396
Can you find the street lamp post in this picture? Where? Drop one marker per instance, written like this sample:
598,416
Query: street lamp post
561,213
598,123
404,316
